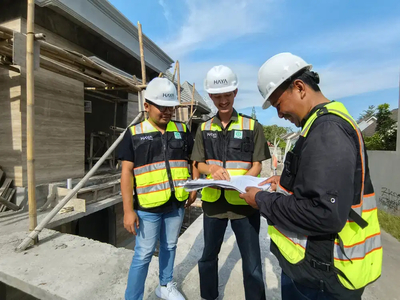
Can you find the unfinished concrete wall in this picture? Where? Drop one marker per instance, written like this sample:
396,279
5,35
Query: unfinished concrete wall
11,158
133,108
59,127
385,173
59,121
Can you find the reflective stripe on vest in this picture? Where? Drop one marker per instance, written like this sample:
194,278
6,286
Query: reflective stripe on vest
359,257
151,181
234,168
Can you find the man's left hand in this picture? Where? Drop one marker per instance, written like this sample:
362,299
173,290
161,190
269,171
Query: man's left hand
250,196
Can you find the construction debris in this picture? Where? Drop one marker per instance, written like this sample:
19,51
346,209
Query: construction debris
6,193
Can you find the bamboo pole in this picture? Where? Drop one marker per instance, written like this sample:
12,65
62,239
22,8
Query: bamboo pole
173,76
191,106
6,31
58,68
143,64
65,56
179,81
8,67
34,234
142,53
30,114
77,60
179,90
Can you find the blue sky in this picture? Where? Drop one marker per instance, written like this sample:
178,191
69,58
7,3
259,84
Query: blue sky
353,45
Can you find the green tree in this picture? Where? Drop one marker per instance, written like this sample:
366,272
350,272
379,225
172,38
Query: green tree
253,113
274,131
386,132
367,113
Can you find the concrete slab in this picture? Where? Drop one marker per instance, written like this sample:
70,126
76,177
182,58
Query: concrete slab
66,267
19,221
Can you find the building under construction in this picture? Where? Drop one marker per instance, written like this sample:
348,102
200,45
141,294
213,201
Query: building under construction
88,80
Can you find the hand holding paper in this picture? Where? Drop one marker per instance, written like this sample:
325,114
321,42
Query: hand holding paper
238,183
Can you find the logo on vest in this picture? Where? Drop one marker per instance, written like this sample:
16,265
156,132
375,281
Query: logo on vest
146,138
178,135
213,135
238,134
220,81
165,95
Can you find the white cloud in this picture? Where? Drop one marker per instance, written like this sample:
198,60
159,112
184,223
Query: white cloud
210,23
338,80
341,80
382,37
166,10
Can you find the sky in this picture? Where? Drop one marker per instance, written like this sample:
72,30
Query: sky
353,45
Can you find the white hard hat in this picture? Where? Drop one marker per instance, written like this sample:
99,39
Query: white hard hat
220,79
275,71
161,91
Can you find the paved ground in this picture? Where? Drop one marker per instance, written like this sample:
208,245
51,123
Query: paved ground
76,268
230,273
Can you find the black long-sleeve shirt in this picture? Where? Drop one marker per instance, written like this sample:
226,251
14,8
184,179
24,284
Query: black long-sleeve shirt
323,190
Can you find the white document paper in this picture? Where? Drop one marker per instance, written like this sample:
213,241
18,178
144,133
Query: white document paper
238,183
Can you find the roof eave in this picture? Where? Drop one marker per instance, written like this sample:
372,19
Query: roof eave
127,33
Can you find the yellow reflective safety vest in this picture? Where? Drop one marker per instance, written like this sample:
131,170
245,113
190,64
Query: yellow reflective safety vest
356,251
233,151
160,163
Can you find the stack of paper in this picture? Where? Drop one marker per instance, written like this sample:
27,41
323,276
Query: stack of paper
238,183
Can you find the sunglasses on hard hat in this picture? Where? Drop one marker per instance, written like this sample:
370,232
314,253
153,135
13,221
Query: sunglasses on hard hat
162,108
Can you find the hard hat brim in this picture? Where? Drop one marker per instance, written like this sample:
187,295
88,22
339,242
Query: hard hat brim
267,103
222,90
166,103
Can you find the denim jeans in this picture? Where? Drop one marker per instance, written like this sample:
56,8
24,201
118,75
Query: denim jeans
246,231
294,291
153,227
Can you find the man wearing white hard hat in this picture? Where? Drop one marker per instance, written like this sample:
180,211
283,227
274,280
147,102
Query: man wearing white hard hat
155,156
229,144
322,219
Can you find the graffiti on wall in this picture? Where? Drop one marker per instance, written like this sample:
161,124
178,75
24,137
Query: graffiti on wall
390,199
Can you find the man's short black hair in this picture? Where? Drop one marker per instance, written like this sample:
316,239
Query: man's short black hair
308,77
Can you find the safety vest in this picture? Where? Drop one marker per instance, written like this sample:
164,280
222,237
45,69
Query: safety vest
357,250
233,151
161,163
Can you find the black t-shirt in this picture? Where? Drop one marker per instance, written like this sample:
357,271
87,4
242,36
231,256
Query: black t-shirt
126,152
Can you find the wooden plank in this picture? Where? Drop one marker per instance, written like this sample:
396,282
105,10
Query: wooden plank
10,194
5,186
1,176
8,204
75,204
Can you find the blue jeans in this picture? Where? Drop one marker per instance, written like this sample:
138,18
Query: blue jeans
294,291
246,231
154,226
